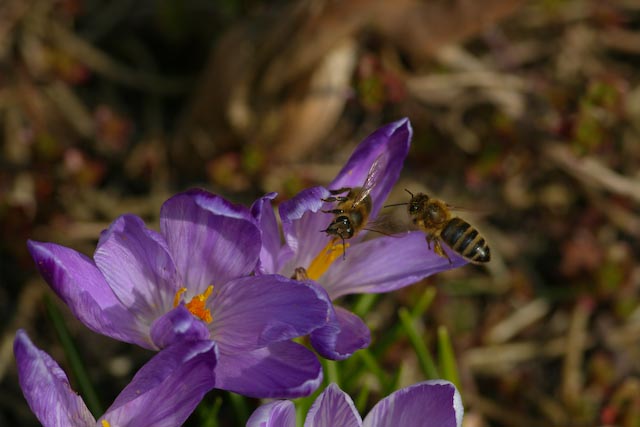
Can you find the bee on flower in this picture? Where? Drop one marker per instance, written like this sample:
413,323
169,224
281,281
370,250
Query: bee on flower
343,264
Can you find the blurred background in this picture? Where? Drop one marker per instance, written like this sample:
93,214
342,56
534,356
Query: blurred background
527,114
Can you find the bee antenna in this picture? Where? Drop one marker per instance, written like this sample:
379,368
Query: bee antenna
395,204
410,193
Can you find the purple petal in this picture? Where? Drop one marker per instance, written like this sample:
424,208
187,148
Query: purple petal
302,223
427,404
333,408
342,336
211,240
281,370
178,325
138,267
167,389
255,311
46,387
385,264
76,279
393,140
281,413
270,253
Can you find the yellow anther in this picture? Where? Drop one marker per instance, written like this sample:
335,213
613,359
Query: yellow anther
105,423
178,297
325,258
197,305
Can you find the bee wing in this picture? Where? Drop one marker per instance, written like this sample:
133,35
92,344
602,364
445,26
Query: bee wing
373,176
388,225
474,211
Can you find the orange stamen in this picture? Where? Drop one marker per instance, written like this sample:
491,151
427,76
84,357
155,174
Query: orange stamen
325,258
105,423
197,305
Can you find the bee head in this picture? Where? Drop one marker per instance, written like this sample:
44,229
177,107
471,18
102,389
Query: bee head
417,203
341,227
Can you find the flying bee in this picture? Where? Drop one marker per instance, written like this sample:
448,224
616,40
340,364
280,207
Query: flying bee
353,209
434,217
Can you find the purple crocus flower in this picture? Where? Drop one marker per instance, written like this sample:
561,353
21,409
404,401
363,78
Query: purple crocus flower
194,281
377,265
427,404
163,393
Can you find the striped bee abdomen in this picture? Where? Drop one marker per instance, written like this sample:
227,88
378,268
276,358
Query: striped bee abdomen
460,236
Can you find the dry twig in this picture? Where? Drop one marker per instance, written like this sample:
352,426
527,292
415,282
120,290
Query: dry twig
591,172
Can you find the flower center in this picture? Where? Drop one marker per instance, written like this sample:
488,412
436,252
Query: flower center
325,258
197,305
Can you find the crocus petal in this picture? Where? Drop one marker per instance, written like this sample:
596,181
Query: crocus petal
254,311
281,413
392,141
211,240
46,387
167,389
178,325
427,404
334,408
77,280
385,264
342,336
302,225
270,253
138,267
281,370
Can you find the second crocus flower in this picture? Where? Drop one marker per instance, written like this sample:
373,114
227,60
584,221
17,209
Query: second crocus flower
381,264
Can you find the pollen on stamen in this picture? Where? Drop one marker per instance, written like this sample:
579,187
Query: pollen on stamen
197,305
178,297
105,423
321,263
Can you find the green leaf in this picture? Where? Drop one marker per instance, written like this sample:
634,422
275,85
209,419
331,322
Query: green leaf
78,370
240,407
447,358
424,356
208,414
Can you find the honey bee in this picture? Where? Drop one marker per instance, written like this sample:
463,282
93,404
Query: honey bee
434,217
353,209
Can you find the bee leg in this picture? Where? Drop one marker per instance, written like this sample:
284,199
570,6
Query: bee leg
334,211
340,190
429,239
437,248
335,199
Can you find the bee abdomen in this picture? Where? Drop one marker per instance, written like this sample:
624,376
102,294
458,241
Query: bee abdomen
465,240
